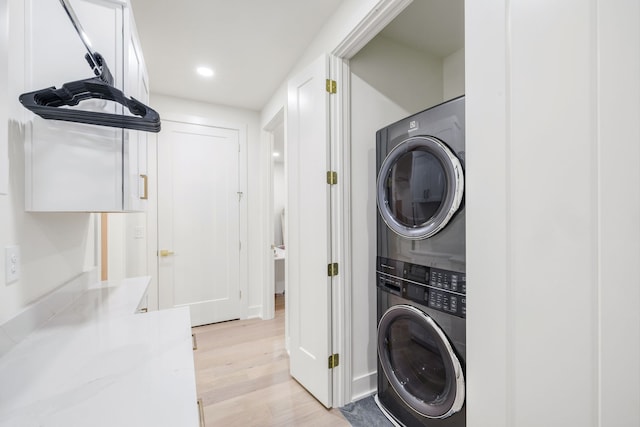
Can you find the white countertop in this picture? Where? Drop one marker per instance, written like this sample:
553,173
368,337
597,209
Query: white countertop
98,363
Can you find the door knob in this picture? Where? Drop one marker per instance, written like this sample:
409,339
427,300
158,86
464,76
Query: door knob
165,252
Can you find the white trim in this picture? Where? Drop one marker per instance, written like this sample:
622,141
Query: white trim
152,222
364,385
255,312
243,277
378,18
268,302
341,232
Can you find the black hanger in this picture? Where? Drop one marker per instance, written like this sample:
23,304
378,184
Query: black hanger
46,102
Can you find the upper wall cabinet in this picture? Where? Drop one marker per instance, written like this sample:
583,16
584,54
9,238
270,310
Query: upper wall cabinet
79,167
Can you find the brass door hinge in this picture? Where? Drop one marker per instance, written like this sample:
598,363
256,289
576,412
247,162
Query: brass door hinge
332,178
332,86
332,269
334,360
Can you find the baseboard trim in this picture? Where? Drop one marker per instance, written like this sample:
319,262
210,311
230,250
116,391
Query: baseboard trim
254,311
364,386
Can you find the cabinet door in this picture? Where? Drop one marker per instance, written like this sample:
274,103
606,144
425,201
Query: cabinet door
72,166
135,142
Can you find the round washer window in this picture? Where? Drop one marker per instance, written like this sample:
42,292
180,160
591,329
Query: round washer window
419,362
420,187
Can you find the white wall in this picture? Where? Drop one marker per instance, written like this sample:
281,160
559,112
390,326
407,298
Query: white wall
55,247
408,77
370,111
128,244
453,72
201,113
4,35
117,254
135,225
553,230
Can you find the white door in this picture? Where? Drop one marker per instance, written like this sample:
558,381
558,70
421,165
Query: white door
199,221
308,232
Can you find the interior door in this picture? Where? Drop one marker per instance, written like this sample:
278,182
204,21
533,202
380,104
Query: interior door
308,216
199,221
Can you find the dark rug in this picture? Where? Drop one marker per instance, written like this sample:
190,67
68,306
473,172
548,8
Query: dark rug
365,413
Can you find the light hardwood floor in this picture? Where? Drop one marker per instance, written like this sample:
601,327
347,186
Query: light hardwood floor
242,377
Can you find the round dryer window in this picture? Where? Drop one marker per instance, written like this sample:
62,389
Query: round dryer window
419,362
420,187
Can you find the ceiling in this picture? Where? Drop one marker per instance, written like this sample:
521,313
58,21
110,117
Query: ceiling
253,44
433,26
250,44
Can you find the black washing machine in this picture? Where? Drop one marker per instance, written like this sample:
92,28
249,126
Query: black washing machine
421,345
421,268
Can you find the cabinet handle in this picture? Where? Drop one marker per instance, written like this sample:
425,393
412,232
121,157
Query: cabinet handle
145,180
201,411
194,341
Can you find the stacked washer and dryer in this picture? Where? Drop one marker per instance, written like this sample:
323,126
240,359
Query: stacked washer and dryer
421,279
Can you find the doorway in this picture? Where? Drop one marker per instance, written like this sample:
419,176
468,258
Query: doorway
278,184
427,62
274,202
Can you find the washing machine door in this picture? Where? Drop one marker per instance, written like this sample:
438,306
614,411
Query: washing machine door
419,362
420,187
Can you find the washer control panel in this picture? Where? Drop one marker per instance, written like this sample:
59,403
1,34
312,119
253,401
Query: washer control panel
448,280
441,290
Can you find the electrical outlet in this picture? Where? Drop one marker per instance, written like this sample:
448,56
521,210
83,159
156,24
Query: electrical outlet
12,263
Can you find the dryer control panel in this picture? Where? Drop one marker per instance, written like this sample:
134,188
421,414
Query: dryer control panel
448,280
441,290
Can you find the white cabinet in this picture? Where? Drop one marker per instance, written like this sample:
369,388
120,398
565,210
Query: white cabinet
135,142
72,166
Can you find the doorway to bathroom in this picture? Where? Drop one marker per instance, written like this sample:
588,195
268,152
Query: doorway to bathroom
278,184
275,224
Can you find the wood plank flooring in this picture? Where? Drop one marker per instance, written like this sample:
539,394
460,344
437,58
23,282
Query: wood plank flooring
242,377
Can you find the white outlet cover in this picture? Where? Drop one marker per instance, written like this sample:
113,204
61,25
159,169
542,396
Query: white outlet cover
12,263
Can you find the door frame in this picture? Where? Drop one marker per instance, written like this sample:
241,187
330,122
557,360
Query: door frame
342,323
152,214
380,15
268,302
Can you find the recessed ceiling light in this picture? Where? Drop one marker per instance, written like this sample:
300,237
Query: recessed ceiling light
276,154
205,71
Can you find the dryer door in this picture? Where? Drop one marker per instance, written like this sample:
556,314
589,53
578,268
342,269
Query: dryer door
419,362
420,187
